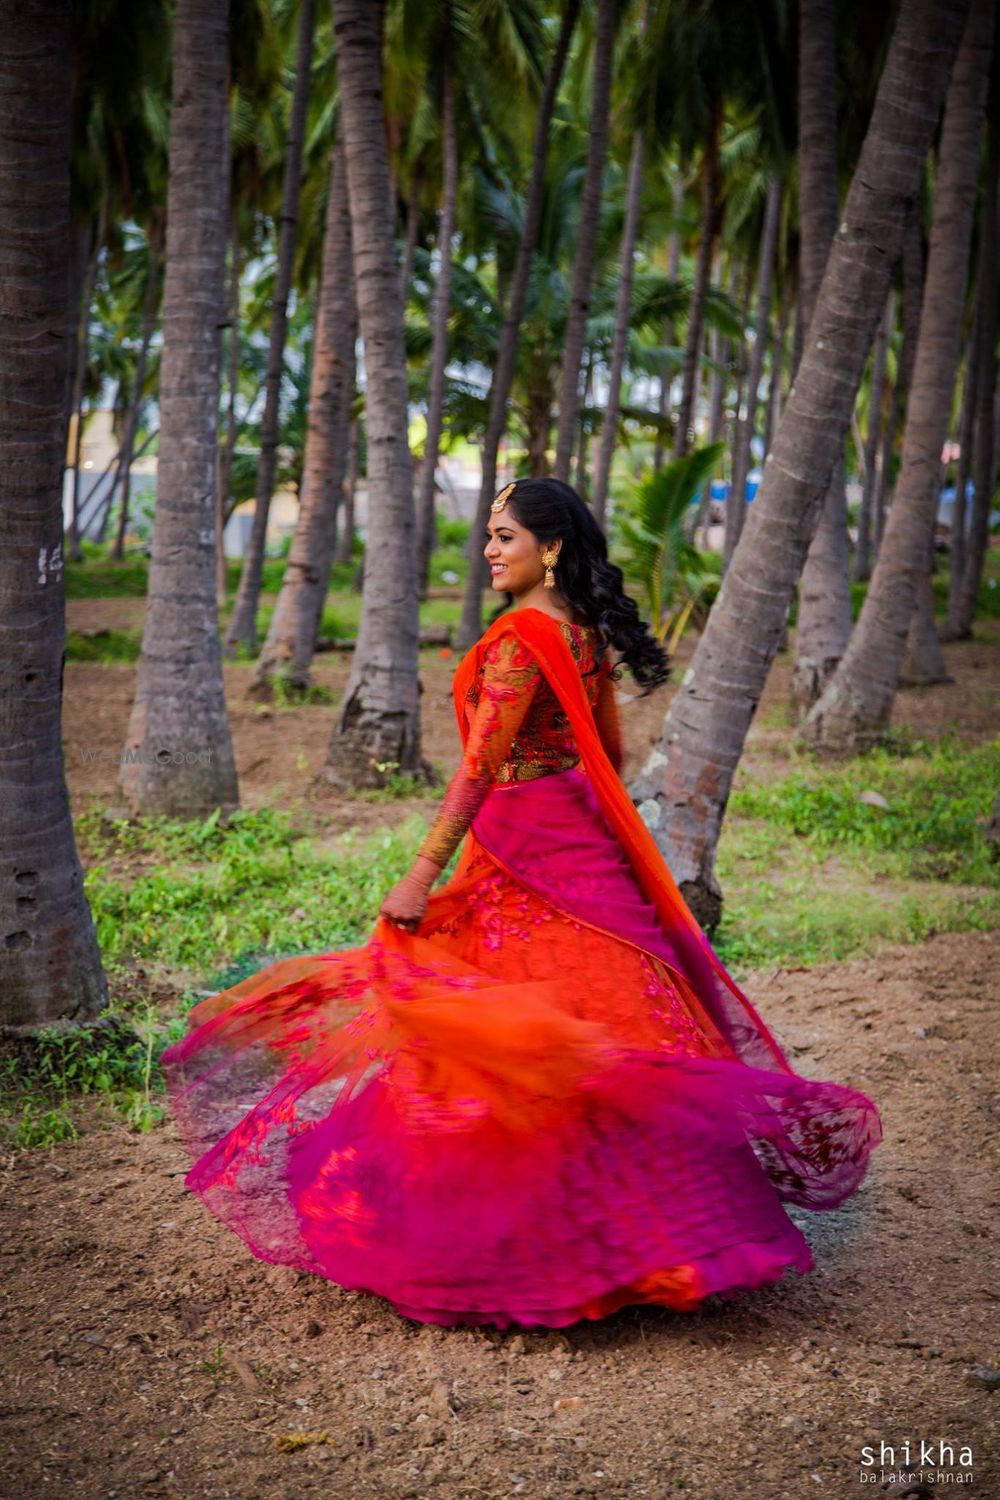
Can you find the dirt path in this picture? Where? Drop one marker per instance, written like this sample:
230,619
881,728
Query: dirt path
147,1353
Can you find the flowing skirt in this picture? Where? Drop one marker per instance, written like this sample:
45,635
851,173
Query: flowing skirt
539,1108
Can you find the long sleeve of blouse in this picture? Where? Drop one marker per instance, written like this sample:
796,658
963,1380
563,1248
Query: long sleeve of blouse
509,680
608,722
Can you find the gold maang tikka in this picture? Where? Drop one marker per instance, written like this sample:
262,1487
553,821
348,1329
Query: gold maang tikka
502,498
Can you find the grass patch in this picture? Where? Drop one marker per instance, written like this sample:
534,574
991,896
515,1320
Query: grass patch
256,884
48,1079
110,647
811,873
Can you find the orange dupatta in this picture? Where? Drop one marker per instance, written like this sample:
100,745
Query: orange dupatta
541,635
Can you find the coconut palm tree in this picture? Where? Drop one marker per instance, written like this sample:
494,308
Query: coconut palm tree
823,624
179,755
243,621
291,639
855,706
623,307
442,301
586,237
470,625
50,968
684,786
746,425
962,603
378,724
870,459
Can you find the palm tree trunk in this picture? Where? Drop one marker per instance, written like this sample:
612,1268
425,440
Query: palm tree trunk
378,725
243,621
823,625
127,451
291,640
345,540
471,623
50,967
685,784
442,303
966,449
227,451
711,219
857,702
775,393
959,624
913,294
80,362
412,224
748,422
862,556
583,434
619,339
179,755
669,336
923,661
586,238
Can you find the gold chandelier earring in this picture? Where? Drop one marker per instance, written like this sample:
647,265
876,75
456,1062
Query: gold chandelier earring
549,559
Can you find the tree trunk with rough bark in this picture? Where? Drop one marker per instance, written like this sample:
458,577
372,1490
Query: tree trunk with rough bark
863,551
442,306
923,661
50,967
913,294
959,622
966,449
619,339
227,451
377,731
855,707
291,640
127,451
471,623
736,509
345,539
823,620
775,394
711,220
412,224
179,756
669,336
243,620
586,238
684,786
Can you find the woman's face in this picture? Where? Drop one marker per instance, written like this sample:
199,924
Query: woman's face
514,554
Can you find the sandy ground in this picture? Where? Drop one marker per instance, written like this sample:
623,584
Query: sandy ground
146,1352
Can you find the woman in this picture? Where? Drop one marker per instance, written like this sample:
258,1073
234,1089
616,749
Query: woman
535,1095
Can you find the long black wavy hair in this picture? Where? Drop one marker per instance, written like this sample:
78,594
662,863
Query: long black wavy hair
553,511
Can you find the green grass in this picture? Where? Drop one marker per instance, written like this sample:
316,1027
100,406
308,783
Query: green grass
47,1080
109,647
811,873
259,883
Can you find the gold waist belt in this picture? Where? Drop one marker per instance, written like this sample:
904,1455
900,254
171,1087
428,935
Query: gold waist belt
531,770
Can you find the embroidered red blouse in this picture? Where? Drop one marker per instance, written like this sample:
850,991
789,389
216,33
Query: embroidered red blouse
518,731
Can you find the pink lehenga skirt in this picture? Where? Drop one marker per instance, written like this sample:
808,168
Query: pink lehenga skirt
539,1108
